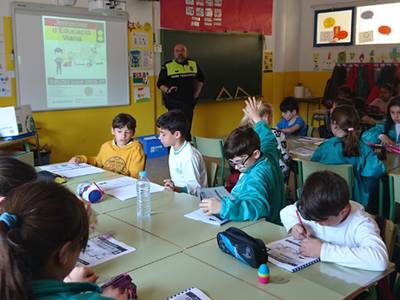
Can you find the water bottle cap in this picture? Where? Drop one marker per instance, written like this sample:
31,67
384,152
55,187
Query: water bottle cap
142,174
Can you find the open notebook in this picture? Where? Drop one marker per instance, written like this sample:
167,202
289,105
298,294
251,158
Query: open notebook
190,294
285,253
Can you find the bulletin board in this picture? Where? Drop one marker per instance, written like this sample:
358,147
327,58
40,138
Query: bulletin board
140,61
333,27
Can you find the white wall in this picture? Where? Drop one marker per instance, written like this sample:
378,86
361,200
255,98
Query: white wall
307,30
139,11
285,34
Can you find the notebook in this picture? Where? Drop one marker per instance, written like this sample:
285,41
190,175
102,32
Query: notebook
199,215
285,253
190,294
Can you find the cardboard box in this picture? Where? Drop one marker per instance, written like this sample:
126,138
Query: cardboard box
16,120
152,146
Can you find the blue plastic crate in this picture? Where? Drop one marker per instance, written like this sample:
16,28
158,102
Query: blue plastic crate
152,146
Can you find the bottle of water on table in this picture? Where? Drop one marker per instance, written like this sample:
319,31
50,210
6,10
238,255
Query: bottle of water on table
143,204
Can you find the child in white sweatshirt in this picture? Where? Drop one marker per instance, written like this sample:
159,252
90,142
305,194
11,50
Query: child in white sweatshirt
332,227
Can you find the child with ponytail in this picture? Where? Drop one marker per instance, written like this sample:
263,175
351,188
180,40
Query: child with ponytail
346,148
39,248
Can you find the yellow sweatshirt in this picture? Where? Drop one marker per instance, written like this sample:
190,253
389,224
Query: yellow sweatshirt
127,160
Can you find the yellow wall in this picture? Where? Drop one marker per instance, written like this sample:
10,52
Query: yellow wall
82,131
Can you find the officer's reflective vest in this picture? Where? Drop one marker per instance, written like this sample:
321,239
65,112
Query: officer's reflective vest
175,69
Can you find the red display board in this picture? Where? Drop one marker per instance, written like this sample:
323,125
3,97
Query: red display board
218,15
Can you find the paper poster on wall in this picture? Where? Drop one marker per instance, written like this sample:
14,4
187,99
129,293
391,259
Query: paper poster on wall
267,61
378,24
2,48
5,85
75,57
217,15
141,59
140,78
140,39
316,58
141,94
333,27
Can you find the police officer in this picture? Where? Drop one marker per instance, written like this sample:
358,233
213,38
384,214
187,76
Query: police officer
181,81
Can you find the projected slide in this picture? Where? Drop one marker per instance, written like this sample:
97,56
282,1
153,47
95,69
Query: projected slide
378,24
75,54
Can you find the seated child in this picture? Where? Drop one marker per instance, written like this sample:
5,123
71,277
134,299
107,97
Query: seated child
259,193
325,130
13,173
265,113
186,165
332,227
39,250
389,132
291,123
346,148
124,154
385,95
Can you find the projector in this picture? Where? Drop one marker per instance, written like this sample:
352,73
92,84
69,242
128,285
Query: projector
64,2
102,5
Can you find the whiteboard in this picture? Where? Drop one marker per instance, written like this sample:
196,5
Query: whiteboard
69,58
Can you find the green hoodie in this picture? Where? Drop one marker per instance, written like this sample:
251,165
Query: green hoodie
59,290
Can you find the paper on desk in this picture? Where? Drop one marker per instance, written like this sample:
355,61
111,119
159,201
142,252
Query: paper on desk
70,170
122,181
302,151
312,140
124,188
199,215
102,248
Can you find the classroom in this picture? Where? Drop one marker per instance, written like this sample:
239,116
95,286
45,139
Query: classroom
253,152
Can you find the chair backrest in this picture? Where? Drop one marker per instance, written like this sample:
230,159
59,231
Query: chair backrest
388,230
394,194
306,168
214,149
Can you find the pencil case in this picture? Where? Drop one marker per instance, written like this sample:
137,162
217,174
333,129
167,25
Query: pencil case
243,247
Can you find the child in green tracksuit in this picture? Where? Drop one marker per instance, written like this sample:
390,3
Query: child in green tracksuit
259,193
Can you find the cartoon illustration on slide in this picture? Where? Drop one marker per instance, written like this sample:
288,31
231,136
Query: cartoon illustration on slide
58,60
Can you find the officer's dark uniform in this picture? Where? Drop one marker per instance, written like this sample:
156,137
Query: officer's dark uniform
184,76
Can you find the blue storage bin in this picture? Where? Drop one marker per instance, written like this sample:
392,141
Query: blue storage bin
152,146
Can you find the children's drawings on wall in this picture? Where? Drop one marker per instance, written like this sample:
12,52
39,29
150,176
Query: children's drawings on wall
342,57
267,61
316,61
325,59
140,78
141,60
5,84
141,94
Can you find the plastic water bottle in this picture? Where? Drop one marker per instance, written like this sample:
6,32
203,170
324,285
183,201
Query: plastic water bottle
143,202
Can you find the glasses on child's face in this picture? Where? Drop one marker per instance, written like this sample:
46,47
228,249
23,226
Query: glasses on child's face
239,163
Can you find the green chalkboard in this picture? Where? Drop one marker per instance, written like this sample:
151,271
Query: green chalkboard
228,60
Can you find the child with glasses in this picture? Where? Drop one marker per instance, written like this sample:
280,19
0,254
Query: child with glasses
259,191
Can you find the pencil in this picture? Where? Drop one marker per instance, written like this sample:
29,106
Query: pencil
301,222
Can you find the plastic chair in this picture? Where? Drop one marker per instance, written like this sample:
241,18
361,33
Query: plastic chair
213,149
306,168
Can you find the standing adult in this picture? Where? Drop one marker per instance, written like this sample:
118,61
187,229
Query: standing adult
181,81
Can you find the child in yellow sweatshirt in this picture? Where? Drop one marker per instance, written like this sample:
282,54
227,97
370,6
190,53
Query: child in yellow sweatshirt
123,154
